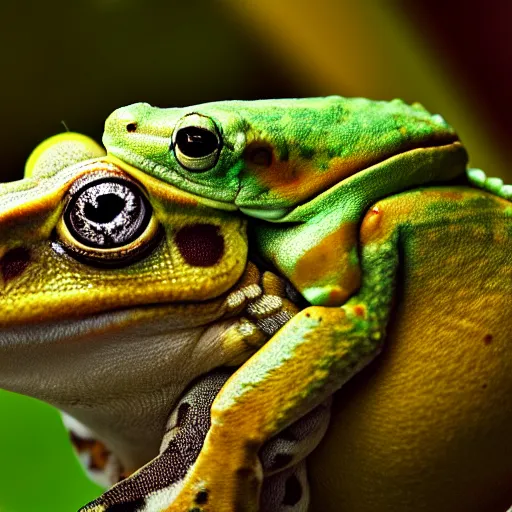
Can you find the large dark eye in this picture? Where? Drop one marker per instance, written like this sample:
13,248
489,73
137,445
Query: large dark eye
196,143
107,213
108,219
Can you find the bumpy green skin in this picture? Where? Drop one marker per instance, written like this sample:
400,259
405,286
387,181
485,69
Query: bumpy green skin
314,164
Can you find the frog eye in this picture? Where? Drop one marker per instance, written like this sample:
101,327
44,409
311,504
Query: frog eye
107,220
196,143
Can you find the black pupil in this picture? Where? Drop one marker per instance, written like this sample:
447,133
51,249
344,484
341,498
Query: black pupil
109,206
196,142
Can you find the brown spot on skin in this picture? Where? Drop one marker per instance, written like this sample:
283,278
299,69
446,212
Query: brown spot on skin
99,456
300,177
484,386
97,451
258,153
359,310
488,339
337,296
201,497
131,127
14,263
78,443
201,245
292,492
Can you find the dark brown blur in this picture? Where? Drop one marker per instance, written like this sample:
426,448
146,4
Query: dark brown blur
74,62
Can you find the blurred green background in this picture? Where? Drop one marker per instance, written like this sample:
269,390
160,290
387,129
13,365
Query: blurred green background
74,62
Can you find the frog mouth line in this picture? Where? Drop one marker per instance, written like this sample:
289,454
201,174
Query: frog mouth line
279,214
168,315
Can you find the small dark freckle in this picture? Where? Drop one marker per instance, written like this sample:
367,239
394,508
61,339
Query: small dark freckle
308,315
131,127
201,497
14,262
484,386
488,339
359,310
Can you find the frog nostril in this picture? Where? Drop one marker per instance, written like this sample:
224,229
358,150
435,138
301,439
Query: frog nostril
131,127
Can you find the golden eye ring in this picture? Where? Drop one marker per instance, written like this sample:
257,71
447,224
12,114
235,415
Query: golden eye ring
107,220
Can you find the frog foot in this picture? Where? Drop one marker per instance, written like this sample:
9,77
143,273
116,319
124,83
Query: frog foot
265,302
494,185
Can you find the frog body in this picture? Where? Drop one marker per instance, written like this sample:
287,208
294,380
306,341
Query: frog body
78,326
343,197
311,166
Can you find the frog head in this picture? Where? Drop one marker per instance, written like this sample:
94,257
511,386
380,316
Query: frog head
268,156
110,284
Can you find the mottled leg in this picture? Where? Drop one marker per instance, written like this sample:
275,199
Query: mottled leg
156,485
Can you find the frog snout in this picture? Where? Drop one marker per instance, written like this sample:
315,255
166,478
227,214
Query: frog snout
124,120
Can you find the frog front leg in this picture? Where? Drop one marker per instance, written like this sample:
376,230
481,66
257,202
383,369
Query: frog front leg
285,487
312,356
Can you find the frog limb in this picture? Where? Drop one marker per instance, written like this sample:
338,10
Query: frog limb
158,482
304,363
316,245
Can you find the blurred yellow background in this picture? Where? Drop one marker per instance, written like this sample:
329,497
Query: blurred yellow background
73,62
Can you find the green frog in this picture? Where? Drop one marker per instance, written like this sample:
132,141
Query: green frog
351,200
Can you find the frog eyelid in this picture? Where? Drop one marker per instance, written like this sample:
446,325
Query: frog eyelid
203,134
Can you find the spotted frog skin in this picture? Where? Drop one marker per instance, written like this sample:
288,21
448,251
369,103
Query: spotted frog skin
354,201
